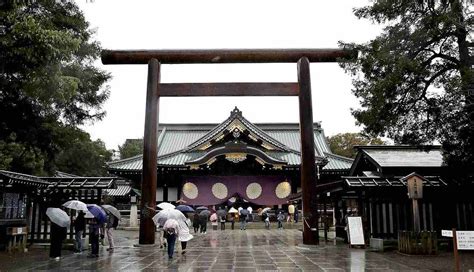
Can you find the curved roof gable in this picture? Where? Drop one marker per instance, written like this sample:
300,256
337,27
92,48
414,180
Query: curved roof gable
237,122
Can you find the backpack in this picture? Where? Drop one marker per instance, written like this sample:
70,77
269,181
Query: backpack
115,223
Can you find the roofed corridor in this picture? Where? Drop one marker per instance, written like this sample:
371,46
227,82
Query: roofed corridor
235,250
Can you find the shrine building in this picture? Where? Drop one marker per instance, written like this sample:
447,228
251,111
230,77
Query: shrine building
212,164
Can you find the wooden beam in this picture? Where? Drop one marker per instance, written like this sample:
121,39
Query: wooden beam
308,164
150,153
225,56
228,89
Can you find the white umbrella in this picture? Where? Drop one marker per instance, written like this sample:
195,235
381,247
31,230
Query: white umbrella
88,215
58,216
161,217
166,206
233,210
75,205
264,210
112,210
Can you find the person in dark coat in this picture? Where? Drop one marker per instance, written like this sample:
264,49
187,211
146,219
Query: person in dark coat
94,234
203,222
58,234
79,229
196,222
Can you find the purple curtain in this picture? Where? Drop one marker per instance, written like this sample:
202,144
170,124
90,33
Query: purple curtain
212,190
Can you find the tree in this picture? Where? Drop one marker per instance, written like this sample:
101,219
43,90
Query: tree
83,157
130,148
48,82
415,81
343,143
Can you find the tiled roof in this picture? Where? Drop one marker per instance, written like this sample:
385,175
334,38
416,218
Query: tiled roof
389,182
122,190
81,182
404,156
7,177
177,144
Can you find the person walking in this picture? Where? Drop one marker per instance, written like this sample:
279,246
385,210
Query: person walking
232,220
243,222
183,233
171,227
203,223
111,224
266,219
94,233
196,222
58,234
291,213
280,218
222,222
79,229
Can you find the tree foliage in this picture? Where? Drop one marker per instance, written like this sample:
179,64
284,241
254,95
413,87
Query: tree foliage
415,81
130,148
343,143
48,82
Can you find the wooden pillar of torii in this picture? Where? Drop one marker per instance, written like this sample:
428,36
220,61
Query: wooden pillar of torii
302,89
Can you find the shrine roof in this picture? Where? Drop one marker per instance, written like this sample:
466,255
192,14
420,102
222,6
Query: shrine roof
178,143
355,181
12,178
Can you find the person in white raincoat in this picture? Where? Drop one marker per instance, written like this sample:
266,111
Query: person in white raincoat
183,233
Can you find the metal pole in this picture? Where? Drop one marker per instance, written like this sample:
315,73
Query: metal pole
308,164
150,152
457,267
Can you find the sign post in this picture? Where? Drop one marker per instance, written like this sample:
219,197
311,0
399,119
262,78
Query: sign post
462,240
455,252
355,230
415,192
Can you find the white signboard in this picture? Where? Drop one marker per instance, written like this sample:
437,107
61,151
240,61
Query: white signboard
465,239
19,230
447,233
356,231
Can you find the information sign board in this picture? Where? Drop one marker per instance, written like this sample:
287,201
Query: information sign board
356,231
465,239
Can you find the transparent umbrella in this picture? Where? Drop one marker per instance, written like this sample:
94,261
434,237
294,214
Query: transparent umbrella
161,217
112,210
75,205
58,216
166,206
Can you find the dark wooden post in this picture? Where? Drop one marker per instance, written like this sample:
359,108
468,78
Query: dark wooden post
308,164
150,140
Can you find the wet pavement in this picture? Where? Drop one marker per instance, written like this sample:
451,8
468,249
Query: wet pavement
251,250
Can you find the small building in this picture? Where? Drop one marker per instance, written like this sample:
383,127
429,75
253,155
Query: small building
376,189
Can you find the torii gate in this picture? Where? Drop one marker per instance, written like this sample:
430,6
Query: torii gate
155,90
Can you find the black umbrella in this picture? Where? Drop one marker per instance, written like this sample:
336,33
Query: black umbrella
244,212
221,212
204,213
202,208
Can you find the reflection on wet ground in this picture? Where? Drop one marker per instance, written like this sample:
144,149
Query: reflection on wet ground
251,250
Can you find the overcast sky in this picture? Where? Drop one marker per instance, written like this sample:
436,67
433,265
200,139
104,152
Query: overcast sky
224,24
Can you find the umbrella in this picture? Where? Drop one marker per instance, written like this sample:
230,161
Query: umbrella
264,210
184,208
98,213
205,213
161,217
213,217
233,210
221,212
244,212
76,205
166,206
112,210
58,217
88,215
201,208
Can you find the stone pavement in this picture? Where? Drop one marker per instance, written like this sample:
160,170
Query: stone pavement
251,250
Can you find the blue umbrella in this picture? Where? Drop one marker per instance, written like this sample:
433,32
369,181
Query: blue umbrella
184,208
97,212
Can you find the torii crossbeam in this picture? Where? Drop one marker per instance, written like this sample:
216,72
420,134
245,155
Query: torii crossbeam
302,89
